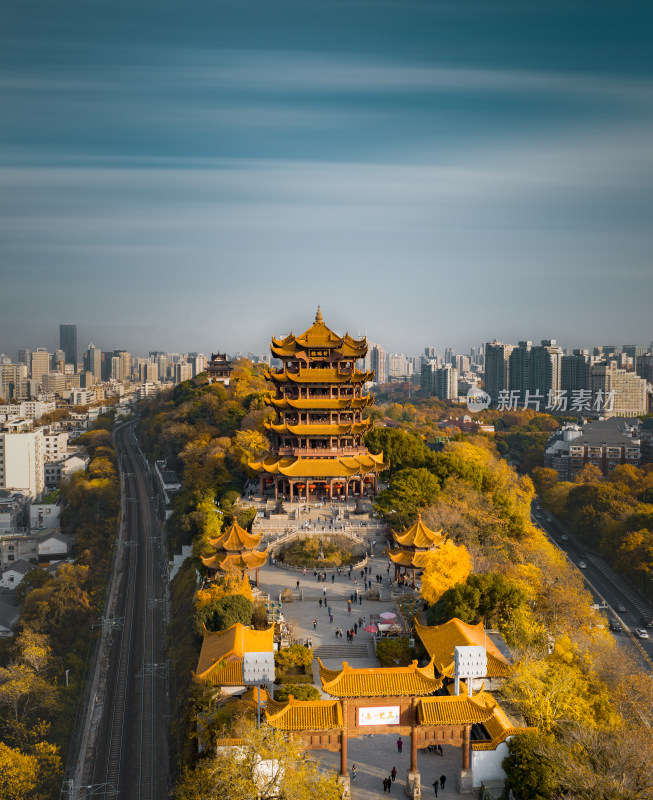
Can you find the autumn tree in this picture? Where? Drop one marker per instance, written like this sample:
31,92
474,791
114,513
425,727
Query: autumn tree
490,597
410,490
223,586
446,566
265,764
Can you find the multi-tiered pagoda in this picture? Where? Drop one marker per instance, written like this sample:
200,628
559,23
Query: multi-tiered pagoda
317,434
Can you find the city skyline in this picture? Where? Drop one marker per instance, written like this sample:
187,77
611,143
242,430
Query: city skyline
431,172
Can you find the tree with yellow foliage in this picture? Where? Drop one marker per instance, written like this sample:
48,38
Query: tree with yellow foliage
448,565
223,587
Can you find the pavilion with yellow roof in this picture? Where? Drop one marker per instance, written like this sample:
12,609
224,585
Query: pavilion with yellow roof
412,548
440,642
220,662
235,552
317,434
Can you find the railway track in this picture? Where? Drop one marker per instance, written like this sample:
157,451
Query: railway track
130,757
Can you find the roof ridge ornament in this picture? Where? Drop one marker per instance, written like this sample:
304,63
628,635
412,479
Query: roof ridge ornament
318,315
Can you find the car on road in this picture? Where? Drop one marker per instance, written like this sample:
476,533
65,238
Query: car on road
564,538
582,565
646,620
549,519
614,625
640,633
620,609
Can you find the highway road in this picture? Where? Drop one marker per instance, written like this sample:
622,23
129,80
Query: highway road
606,586
125,750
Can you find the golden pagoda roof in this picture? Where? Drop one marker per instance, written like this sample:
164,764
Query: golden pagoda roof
319,375
440,642
320,404
229,646
315,468
236,539
456,709
248,559
319,336
409,558
304,715
354,428
499,728
379,682
419,536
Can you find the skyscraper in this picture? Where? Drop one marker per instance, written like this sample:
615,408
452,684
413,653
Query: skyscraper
68,342
496,368
94,361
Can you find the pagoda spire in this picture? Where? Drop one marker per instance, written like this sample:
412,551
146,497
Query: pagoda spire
318,315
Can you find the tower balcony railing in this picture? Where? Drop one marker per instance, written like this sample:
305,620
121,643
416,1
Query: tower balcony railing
321,451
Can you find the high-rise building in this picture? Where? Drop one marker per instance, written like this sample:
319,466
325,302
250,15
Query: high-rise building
497,373
624,392
379,364
427,376
121,366
644,367
21,460
430,352
544,373
183,371
40,364
317,435
445,382
24,357
13,381
68,343
398,365
94,361
519,369
54,382
575,372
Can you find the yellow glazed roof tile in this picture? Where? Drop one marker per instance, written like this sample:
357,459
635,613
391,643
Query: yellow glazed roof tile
420,536
379,682
456,710
235,538
229,646
298,715
441,640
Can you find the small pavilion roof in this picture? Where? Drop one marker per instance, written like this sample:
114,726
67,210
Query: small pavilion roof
229,646
498,728
304,715
409,558
440,642
419,536
379,682
456,709
315,468
248,559
235,539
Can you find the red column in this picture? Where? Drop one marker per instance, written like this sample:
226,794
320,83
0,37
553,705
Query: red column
466,731
343,752
413,745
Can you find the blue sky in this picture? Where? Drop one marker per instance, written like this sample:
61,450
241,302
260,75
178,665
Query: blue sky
200,175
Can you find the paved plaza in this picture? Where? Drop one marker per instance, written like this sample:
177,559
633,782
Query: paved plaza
375,755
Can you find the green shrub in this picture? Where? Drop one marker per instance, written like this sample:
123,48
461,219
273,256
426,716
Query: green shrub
394,652
297,691
223,613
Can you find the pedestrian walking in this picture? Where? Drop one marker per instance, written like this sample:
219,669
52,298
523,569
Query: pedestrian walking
360,600
298,584
349,609
324,590
354,772
330,617
328,610
400,745
355,627
314,624
333,577
435,787
385,784
443,780
393,773
320,602
389,784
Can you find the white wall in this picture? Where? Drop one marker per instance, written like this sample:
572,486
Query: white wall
486,764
